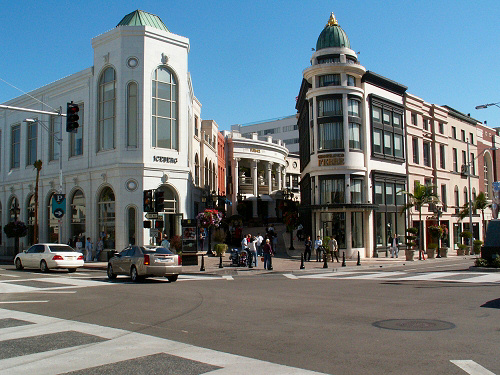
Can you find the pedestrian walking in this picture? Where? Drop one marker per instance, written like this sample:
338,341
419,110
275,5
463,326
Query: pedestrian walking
275,242
259,244
79,244
394,246
317,248
333,248
267,254
307,251
202,239
99,248
88,249
165,243
252,248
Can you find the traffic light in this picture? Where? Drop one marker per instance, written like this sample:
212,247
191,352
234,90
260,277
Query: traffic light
159,224
148,201
72,117
159,206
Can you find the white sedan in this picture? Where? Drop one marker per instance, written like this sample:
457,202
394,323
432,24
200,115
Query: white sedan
47,256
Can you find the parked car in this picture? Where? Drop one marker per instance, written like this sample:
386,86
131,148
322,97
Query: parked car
47,256
142,261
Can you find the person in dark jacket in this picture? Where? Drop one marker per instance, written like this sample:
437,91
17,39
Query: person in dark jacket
307,251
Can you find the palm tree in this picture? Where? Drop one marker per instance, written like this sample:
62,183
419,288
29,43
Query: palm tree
422,195
481,203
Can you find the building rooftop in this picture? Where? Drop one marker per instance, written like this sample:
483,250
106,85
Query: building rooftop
141,18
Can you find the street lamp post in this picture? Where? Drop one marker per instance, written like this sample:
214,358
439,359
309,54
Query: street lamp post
15,210
288,196
470,192
439,211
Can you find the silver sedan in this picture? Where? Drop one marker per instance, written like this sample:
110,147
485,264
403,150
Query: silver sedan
47,256
142,261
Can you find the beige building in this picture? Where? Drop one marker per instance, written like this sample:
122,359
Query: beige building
438,154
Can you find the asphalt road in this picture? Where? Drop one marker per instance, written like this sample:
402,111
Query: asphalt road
415,319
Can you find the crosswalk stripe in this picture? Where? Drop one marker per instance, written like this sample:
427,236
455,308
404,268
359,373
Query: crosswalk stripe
290,276
115,349
471,367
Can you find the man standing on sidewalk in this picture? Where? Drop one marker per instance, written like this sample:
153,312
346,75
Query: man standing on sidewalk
259,244
88,249
317,247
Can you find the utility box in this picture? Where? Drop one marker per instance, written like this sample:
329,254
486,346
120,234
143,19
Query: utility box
491,248
189,242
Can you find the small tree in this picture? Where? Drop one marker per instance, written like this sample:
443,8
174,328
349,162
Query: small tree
422,195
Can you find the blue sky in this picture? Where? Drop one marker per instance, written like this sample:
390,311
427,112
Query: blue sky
247,58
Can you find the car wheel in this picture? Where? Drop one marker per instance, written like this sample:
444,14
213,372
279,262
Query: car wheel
19,265
71,270
43,266
133,274
172,278
111,275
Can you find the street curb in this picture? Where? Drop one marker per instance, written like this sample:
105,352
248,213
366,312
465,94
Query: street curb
483,269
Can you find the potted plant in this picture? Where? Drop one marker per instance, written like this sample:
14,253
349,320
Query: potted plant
410,242
436,232
432,250
466,235
220,249
476,246
461,249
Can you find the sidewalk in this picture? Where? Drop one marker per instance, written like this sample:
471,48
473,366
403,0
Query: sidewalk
287,261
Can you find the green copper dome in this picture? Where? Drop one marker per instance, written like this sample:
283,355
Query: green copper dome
332,36
141,18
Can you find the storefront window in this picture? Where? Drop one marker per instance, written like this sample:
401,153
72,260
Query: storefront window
332,190
77,214
131,226
106,217
357,190
333,223
357,229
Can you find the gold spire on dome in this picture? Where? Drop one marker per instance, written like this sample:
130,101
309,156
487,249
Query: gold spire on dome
332,21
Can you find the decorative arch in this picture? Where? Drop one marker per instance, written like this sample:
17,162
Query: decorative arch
205,181
131,227
164,111
106,108
171,198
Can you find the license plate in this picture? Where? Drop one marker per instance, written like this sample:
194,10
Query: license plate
166,260
70,258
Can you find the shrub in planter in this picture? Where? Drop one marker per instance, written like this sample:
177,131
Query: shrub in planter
461,249
436,232
411,237
326,241
477,246
480,262
219,235
220,249
496,262
15,229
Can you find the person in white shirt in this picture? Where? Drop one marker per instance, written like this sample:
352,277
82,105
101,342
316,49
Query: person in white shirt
317,247
252,242
260,239
165,242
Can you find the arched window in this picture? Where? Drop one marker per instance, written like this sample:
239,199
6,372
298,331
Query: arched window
205,181
466,195
488,178
457,200
196,170
53,223
164,110
132,114
106,217
14,209
214,186
210,175
106,110
132,237
78,214
31,219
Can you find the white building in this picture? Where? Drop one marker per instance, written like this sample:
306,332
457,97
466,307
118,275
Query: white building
352,150
137,132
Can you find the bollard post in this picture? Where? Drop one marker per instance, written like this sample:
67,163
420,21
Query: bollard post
302,261
220,262
202,268
343,259
325,263
359,260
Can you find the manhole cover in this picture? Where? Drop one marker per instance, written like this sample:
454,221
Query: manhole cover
414,324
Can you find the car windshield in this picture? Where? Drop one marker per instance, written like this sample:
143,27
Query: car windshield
156,250
60,249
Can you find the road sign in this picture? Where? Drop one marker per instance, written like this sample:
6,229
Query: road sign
58,205
153,232
151,215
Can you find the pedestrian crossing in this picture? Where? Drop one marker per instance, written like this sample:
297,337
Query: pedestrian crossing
36,344
445,276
